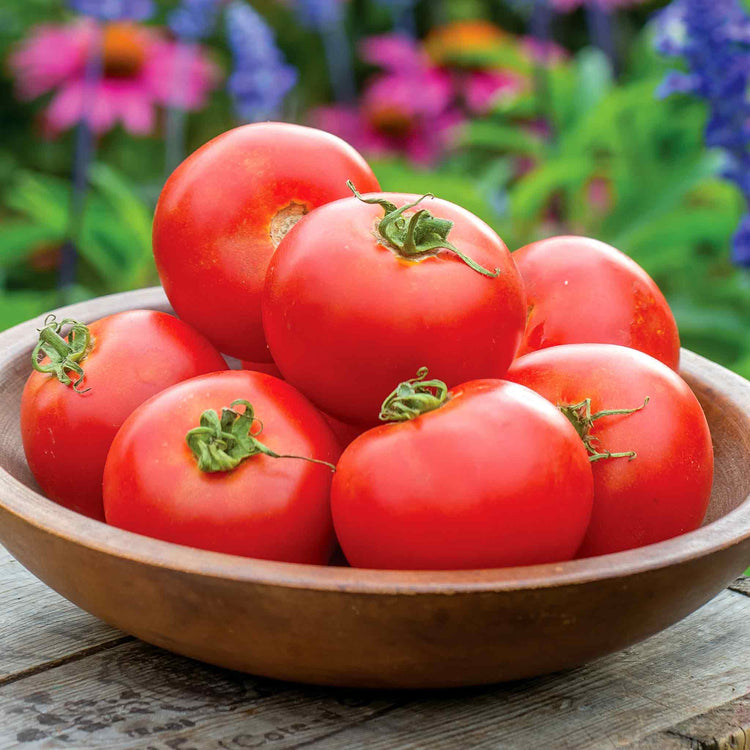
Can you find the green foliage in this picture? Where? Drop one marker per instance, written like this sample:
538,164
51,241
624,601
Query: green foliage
114,246
664,204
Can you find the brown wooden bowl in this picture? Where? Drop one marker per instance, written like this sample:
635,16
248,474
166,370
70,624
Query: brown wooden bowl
369,628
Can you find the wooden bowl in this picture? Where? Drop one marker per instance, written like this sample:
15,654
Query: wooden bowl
368,628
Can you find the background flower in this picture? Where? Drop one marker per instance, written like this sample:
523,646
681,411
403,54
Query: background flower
137,63
713,37
261,78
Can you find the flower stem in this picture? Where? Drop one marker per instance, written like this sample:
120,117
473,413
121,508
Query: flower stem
84,152
339,62
599,21
176,113
541,22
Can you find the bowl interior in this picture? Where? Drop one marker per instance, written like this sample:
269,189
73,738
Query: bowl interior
724,396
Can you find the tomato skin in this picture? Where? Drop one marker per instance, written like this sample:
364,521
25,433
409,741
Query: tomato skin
270,508
346,318
580,290
344,432
66,435
212,225
492,478
665,490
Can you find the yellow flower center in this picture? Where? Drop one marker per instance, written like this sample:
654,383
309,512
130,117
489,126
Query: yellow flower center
390,121
123,50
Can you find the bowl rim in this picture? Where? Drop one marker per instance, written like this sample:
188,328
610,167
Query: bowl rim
33,508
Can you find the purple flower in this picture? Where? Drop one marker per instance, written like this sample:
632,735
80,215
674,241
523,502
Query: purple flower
114,10
713,38
261,77
193,19
741,243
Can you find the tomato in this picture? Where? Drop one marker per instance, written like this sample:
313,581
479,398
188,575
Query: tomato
581,290
490,476
266,507
664,488
224,210
268,367
67,429
353,303
344,432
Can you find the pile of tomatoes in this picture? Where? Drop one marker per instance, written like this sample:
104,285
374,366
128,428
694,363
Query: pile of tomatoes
410,390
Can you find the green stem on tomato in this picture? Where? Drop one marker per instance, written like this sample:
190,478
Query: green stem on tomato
63,354
413,397
422,235
580,416
221,444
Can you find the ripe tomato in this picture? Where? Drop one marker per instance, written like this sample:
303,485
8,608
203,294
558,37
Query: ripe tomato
580,290
225,209
344,432
354,303
272,508
664,489
125,359
490,476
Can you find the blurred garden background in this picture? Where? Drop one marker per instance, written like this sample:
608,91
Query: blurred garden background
624,120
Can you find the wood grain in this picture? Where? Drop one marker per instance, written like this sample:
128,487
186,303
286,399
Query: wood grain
726,727
37,626
137,696
741,585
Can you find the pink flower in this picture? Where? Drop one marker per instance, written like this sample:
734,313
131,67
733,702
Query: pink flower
484,88
138,69
405,109
547,52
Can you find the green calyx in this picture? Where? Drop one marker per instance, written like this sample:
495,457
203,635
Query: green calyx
413,397
63,353
222,444
580,416
421,235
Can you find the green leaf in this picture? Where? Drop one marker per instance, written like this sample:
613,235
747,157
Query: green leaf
395,175
495,136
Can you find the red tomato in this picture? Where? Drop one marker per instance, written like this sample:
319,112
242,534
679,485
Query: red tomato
67,429
271,508
580,290
494,477
268,367
664,490
343,431
225,209
347,313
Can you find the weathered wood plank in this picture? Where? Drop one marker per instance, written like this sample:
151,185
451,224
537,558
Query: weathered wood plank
692,667
38,626
726,727
742,585
138,696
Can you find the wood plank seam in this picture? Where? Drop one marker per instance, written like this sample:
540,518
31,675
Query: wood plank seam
738,739
67,659
741,585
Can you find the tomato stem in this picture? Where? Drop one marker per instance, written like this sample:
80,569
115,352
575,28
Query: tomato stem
422,235
413,397
64,354
582,419
222,444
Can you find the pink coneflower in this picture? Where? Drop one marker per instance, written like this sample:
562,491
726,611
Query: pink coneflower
138,66
407,108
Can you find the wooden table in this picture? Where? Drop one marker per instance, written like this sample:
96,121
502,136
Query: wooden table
68,680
